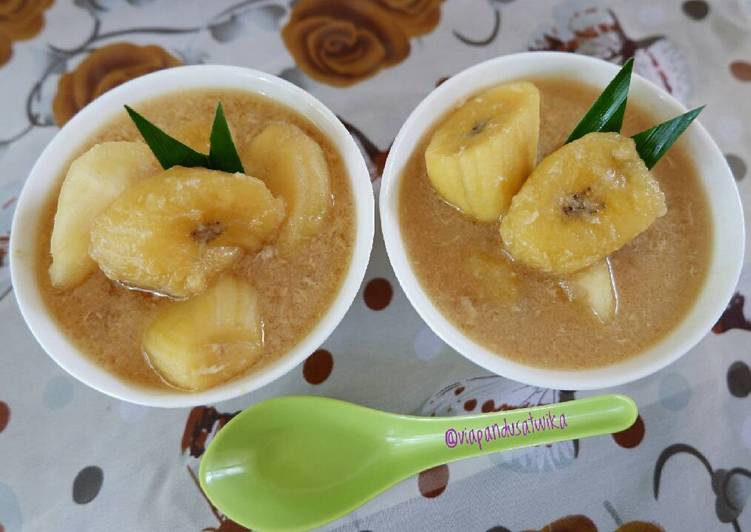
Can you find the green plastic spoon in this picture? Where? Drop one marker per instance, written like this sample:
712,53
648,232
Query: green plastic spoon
295,463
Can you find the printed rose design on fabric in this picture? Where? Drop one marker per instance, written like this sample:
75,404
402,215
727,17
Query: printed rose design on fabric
375,157
582,523
104,69
201,426
486,394
342,43
414,17
580,27
19,20
733,317
578,523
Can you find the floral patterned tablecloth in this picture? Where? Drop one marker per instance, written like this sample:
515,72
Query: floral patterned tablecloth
72,459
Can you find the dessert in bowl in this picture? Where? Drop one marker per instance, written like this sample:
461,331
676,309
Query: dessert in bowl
551,254
198,248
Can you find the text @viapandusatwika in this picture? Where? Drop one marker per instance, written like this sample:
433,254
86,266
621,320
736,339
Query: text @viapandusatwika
515,429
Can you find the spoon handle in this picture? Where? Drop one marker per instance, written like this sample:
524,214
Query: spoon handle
464,436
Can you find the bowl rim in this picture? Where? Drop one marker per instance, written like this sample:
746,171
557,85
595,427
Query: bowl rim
723,271
42,180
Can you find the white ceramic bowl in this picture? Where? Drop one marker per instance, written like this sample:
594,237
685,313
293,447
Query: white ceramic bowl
726,212
44,180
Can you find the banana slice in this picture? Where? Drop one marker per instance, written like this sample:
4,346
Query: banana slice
480,156
93,181
207,340
582,203
504,283
173,233
595,288
294,167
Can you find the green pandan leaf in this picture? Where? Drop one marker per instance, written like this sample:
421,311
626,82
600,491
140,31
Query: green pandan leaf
223,154
167,150
606,113
652,143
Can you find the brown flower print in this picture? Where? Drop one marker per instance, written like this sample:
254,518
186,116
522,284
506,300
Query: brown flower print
733,317
582,523
414,17
19,20
341,43
104,69
577,523
6,49
4,243
375,156
582,27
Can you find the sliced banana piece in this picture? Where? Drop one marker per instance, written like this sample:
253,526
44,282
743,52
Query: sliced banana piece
93,181
294,167
496,274
208,339
582,203
173,233
482,153
595,288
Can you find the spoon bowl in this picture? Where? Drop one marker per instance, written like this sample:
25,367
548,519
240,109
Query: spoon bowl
295,463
